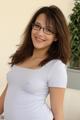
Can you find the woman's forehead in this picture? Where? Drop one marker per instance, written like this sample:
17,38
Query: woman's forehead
47,19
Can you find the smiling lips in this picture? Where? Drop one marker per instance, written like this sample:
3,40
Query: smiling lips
39,39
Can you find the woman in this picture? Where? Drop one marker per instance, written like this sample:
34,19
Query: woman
38,68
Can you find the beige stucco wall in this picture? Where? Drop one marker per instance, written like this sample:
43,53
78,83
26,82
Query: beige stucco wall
14,15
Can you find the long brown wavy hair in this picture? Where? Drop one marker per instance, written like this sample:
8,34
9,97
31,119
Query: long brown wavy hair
58,50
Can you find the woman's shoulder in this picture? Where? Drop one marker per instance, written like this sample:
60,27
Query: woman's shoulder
55,65
56,62
57,76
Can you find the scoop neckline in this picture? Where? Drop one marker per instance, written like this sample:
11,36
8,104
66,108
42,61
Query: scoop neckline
32,69
27,68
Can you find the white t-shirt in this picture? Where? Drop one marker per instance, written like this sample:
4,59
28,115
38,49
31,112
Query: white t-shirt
28,89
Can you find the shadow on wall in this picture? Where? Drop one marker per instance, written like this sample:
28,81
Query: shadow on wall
73,78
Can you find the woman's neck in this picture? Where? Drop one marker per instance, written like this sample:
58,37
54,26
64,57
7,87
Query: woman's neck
39,54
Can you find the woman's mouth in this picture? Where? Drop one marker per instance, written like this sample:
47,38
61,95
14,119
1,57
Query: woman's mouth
40,39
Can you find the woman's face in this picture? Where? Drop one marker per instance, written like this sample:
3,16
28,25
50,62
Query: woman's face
42,35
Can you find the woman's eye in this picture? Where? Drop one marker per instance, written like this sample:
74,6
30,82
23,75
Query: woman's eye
48,30
37,26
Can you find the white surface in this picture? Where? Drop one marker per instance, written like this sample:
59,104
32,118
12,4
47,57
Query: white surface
72,104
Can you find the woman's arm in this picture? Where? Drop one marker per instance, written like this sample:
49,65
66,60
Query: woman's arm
2,101
56,101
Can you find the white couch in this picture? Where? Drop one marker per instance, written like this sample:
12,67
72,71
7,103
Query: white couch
71,104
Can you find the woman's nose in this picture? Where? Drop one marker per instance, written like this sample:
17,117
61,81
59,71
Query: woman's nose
41,32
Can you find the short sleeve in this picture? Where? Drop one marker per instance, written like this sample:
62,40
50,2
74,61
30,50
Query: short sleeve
57,76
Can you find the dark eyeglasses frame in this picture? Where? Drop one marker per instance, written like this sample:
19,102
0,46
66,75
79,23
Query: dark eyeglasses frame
38,28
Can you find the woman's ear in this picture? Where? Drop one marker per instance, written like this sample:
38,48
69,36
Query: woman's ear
55,39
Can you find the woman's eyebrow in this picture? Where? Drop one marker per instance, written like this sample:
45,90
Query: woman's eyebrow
37,22
48,26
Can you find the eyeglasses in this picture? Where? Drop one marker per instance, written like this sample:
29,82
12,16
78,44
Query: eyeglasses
46,30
